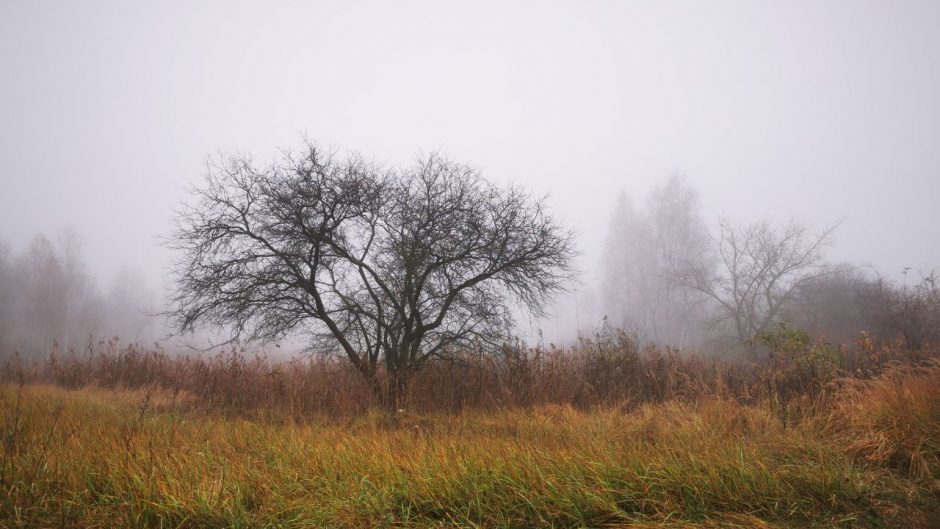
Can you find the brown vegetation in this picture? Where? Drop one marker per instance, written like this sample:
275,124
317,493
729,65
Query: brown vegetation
609,369
865,456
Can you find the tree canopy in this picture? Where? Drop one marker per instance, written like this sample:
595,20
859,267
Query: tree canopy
389,267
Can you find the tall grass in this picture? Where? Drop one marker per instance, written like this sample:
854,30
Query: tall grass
98,458
606,370
606,434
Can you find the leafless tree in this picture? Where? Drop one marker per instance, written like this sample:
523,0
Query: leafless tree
74,275
914,311
387,267
760,266
8,293
643,250
41,318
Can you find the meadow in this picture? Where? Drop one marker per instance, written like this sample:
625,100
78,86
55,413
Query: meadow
695,444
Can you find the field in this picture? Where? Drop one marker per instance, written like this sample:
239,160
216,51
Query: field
864,454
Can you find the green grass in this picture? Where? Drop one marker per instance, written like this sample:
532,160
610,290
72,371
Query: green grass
97,458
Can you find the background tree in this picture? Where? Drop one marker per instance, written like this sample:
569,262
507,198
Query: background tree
74,280
914,311
52,300
389,268
680,240
760,267
627,268
41,318
837,305
129,303
8,294
644,249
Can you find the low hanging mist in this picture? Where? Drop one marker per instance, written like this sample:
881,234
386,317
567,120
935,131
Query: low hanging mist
667,277
725,170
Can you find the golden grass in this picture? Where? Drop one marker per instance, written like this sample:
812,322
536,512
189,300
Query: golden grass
99,458
893,420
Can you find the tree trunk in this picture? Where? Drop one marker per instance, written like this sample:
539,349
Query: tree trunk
374,384
397,391
393,393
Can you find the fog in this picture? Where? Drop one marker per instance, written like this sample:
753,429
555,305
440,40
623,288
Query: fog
825,112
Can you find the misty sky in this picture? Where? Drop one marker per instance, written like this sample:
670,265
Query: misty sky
818,110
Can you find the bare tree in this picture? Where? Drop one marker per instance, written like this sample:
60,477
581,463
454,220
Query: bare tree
760,267
41,317
914,312
630,283
643,250
50,294
680,239
8,293
75,278
389,268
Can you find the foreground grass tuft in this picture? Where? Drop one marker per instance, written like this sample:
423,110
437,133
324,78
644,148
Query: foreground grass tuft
98,458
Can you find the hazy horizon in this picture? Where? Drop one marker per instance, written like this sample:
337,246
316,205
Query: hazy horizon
823,112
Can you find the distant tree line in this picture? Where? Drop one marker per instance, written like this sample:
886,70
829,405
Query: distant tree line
670,280
391,268
50,301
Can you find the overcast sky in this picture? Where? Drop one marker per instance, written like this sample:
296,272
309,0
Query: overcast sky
819,110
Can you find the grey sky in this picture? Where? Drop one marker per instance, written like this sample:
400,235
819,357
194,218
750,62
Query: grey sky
816,110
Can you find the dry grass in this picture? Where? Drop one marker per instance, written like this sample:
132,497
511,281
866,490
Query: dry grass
893,420
94,457
607,370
